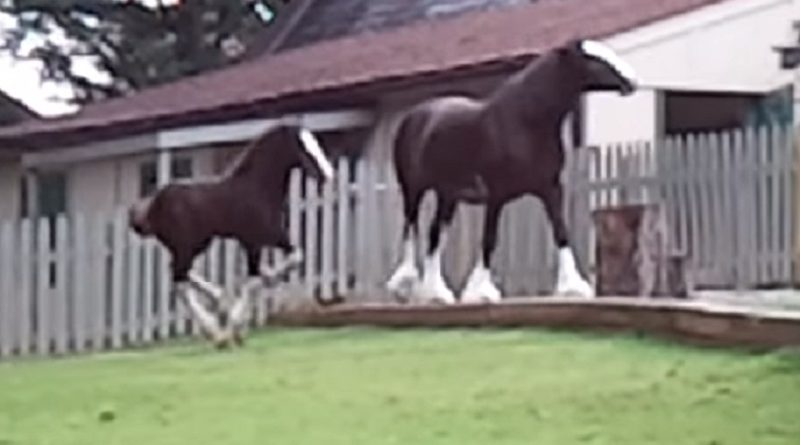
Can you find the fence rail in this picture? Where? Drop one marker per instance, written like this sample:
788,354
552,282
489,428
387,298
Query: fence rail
87,283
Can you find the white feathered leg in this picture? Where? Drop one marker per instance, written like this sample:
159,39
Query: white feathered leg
405,278
480,287
208,322
569,281
433,288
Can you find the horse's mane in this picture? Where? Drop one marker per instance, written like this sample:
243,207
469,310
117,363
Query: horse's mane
241,163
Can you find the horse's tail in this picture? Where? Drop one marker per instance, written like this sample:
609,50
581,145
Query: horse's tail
139,216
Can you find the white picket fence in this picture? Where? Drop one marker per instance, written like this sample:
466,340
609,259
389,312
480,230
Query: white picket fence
87,283
730,199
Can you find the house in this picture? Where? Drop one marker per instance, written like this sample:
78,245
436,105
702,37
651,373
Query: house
348,67
11,112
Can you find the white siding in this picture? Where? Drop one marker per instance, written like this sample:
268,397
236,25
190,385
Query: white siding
92,187
728,47
610,119
725,48
105,184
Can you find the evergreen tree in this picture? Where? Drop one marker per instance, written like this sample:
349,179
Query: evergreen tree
134,43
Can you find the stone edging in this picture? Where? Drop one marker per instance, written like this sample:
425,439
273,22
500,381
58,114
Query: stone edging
695,322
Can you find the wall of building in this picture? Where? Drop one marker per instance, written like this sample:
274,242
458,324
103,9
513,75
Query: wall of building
105,184
609,119
10,180
725,48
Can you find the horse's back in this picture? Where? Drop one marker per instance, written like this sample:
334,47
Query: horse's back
440,133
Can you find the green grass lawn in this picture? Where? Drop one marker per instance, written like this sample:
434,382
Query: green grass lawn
362,386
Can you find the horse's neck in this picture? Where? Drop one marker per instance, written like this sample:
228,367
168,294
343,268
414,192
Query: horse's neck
528,95
273,178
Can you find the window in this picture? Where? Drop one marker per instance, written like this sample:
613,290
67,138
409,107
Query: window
51,199
148,173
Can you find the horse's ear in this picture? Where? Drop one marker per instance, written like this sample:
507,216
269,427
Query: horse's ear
571,47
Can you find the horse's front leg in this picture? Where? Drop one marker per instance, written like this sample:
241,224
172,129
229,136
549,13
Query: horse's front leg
433,287
480,287
569,280
209,323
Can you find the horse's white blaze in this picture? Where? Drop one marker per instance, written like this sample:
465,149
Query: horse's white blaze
314,149
480,288
433,287
605,53
405,278
570,281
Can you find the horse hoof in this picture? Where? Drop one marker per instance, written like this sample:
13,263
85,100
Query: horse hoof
403,283
222,344
578,289
443,296
480,288
237,339
481,298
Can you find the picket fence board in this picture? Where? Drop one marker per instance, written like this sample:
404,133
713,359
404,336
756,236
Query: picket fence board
327,241
42,299
133,296
8,296
310,207
26,287
343,226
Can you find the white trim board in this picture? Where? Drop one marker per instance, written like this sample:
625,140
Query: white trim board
190,137
706,26
687,22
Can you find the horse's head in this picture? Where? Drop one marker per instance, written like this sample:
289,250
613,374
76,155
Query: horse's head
599,67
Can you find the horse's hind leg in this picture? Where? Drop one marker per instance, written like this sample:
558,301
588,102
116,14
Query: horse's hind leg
480,287
280,272
237,315
405,278
240,309
433,286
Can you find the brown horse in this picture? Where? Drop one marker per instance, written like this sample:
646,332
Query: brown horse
247,204
491,152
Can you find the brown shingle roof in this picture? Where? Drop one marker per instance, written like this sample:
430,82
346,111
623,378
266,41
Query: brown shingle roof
323,71
326,19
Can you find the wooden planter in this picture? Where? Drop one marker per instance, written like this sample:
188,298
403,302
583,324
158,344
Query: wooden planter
633,254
